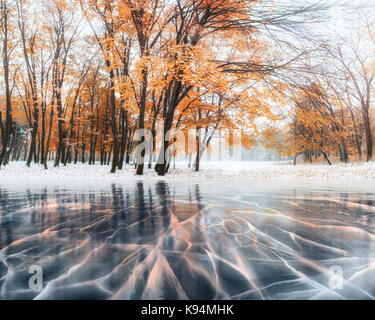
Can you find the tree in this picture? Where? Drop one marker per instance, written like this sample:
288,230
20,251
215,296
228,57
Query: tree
7,128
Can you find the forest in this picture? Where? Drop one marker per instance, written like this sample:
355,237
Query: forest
114,82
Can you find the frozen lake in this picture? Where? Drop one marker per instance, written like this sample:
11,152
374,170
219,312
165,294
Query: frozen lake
185,239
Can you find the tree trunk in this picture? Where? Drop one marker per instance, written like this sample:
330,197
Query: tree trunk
161,165
48,138
327,157
357,138
141,123
8,113
32,151
124,130
368,134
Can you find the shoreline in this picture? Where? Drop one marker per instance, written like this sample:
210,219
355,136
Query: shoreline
16,173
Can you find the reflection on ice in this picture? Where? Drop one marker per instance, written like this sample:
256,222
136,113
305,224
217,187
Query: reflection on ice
167,241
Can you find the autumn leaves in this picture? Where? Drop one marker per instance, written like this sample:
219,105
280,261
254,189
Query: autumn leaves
85,80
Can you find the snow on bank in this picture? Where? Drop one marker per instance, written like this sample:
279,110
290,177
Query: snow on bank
18,173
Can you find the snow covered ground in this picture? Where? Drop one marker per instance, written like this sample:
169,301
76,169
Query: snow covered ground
18,173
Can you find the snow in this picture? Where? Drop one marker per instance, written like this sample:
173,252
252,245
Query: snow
18,173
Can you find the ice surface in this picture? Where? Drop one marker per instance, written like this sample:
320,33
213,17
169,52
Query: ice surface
214,239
